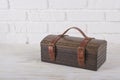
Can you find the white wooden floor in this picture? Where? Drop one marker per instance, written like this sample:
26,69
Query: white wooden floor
22,62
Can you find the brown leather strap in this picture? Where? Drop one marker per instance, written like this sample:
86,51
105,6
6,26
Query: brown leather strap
80,50
51,47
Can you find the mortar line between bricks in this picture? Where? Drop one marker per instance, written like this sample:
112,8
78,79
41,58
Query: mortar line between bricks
75,9
9,28
8,4
59,21
86,28
48,4
65,16
27,18
66,9
105,17
106,33
27,39
81,9
86,3
47,31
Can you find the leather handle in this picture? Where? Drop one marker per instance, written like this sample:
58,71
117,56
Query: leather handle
59,36
76,29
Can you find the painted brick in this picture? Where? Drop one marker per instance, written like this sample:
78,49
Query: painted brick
47,16
113,16
28,4
4,27
103,28
4,4
18,27
12,15
113,38
104,4
27,27
85,16
67,4
35,38
37,28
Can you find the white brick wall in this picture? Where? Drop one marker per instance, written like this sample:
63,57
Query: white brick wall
67,4
103,28
28,4
29,21
112,16
47,16
85,16
104,4
12,15
4,4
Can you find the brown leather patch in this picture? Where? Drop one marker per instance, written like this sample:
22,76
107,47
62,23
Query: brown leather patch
51,52
81,52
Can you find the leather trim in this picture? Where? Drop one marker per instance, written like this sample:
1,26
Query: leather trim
51,53
51,47
81,52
